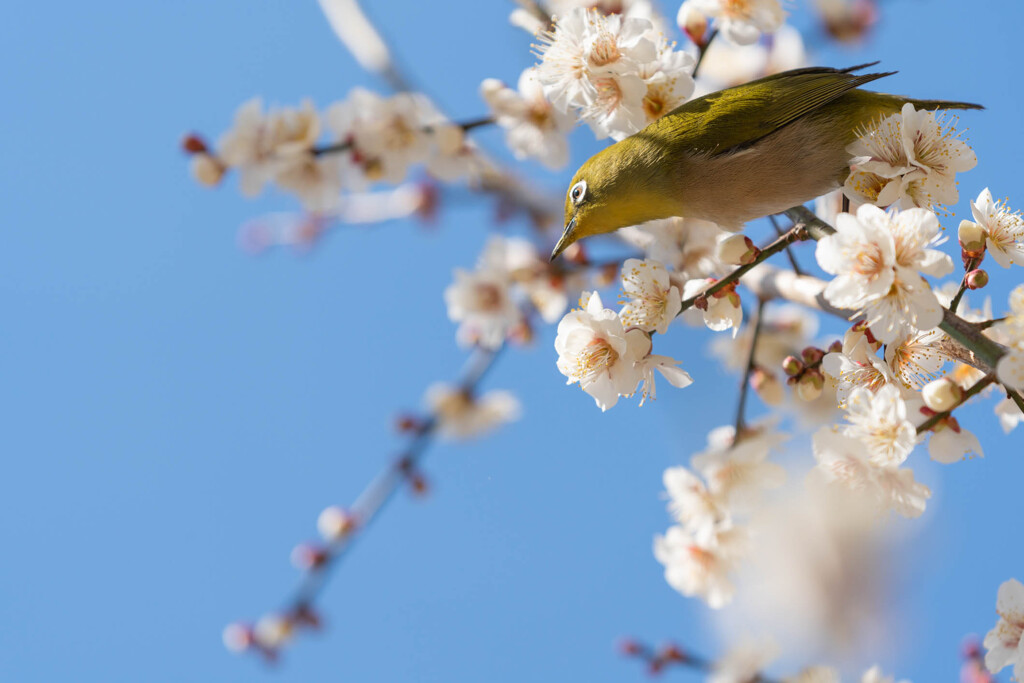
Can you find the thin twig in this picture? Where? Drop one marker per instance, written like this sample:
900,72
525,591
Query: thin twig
1015,396
758,320
703,50
789,249
938,417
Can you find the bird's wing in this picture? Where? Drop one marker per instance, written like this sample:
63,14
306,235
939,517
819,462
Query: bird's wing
732,119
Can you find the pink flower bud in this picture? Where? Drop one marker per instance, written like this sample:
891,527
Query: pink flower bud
942,394
308,557
976,279
193,144
693,23
812,355
272,631
792,366
237,637
335,523
836,346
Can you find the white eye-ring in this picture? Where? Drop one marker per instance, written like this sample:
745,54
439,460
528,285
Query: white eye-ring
578,191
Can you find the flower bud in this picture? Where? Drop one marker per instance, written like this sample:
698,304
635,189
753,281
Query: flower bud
976,279
736,250
307,557
630,647
272,631
335,523
792,366
193,144
672,653
942,394
812,355
836,346
237,637
810,385
767,386
206,169
693,23
972,237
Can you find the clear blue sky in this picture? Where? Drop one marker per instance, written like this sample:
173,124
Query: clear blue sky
176,412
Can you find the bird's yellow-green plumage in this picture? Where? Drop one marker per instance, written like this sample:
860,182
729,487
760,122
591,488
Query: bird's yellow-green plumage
733,155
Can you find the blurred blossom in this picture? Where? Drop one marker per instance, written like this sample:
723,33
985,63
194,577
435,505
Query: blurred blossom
728,64
1010,368
785,329
482,300
1004,644
685,245
815,577
650,301
847,20
463,415
699,564
740,22
743,662
534,128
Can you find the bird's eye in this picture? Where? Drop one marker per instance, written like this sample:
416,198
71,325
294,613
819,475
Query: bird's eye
577,191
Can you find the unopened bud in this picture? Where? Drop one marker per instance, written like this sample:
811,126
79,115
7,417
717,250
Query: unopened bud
942,394
792,366
237,637
736,250
810,385
272,631
308,557
976,279
693,23
672,653
972,237
335,523
701,302
836,346
193,144
408,423
812,355
767,386
207,169
630,647
419,484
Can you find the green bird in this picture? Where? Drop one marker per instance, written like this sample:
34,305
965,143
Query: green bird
734,155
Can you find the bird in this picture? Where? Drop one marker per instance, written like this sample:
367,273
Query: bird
735,155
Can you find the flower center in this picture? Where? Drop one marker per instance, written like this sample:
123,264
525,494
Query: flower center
604,50
596,358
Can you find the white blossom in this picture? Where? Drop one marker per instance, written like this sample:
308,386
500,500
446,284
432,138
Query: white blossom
1003,229
911,158
741,22
1009,415
686,245
736,473
618,71
650,301
722,310
1004,643
728,64
858,368
534,128
815,674
595,350
482,300
691,502
916,358
461,414
743,663
950,443
1010,368
667,367
843,459
698,564
877,258
875,675
785,330
879,421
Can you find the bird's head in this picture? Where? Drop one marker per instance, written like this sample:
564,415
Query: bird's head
614,188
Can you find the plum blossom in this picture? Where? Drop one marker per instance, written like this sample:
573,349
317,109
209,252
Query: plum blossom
911,158
1008,414
950,443
728,64
618,71
877,258
721,310
650,300
534,128
1010,368
686,245
1003,229
879,420
917,358
595,350
691,501
857,368
785,330
1003,642
698,564
743,663
736,473
461,414
482,300
875,675
740,21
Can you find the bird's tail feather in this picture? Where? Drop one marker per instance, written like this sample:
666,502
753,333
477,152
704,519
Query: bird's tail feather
944,104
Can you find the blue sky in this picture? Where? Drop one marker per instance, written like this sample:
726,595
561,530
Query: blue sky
177,411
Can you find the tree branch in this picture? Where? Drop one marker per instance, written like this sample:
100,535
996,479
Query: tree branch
745,381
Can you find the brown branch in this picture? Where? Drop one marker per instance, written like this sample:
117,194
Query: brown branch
789,249
741,405
703,50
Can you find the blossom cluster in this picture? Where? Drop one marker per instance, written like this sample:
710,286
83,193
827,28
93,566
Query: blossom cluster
741,23
704,547
618,72
369,137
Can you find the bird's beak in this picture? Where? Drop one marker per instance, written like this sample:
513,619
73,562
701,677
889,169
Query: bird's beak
565,240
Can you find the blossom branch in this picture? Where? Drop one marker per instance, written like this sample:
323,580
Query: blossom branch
345,527
757,323
789,251
702,49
